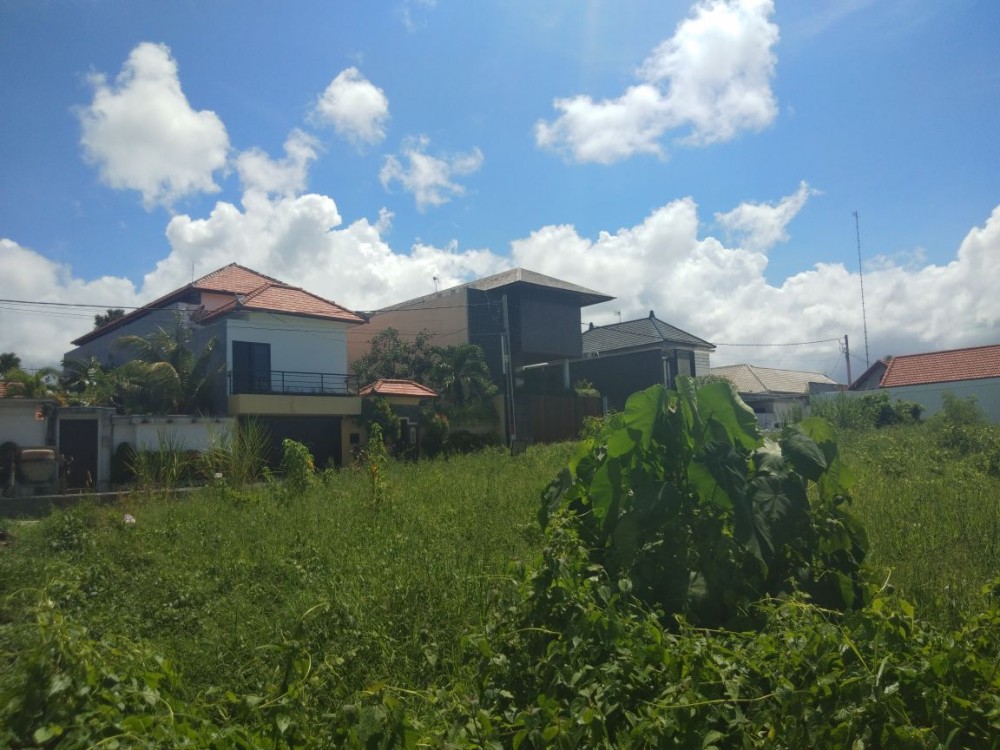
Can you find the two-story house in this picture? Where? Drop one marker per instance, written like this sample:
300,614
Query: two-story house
280,354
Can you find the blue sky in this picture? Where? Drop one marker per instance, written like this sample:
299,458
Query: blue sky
699,159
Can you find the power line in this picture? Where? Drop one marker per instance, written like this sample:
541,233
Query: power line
789,343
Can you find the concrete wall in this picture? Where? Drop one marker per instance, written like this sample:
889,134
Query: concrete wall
104,348
443,315
19,421
186,433
986,391
297,344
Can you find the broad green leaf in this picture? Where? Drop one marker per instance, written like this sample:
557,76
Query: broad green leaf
605,488
718,402
803,452
642,409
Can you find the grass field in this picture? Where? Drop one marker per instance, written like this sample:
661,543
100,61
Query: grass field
244,593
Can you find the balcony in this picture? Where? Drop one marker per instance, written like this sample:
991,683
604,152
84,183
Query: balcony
291,383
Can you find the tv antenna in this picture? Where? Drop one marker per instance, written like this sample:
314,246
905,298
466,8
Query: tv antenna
861,276
436,280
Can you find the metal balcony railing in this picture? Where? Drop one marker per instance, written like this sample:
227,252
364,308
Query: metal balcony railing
289,382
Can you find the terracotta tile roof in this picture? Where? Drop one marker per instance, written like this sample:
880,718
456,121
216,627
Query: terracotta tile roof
236,279
755,380
280,298
389,387
943,367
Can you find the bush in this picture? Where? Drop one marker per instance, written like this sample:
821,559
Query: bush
379,411
864,412
682,499
463,441
433,433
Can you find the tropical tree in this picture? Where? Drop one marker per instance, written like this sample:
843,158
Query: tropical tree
41,383
102,319
9,361
461,375
88,382
165,376
390,357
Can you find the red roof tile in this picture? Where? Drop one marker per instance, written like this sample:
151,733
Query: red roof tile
279,298
389,387
236,279
943,367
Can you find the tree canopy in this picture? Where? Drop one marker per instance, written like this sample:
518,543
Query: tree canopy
102,319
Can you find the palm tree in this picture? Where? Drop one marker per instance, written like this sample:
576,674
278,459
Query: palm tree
89,383
460,372
165,376
38,384
9,361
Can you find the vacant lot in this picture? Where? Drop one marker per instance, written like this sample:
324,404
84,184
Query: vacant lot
263,617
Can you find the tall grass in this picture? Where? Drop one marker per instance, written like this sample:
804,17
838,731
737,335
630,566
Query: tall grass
218,586
932,515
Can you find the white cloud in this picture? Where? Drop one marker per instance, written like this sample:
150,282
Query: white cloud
721,294
428,177
710,80
665,262
142,133
41,333
260,172
760,226
355,107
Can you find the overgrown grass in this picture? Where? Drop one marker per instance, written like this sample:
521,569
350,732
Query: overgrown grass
932,514
349,598
218,581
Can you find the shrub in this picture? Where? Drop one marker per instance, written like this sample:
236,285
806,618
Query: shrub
463,441
433,433
682,498
297,465
378,411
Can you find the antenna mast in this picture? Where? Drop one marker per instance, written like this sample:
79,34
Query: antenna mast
861,275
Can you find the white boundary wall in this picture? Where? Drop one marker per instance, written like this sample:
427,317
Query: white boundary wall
182,432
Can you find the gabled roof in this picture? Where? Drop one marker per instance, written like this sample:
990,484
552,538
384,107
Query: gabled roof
393,387
279,298
949,366
271,294
513,277
751,379
632,334
524,276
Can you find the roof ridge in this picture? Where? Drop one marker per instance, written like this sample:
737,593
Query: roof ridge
218,271
947,351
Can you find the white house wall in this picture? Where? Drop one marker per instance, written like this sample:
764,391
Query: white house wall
701,362
19,423
181,432
297,344
930,396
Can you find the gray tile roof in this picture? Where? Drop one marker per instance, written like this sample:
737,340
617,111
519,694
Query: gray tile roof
509,278
645,332
764,380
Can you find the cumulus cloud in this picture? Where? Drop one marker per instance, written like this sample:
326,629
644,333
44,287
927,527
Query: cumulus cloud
429,178
708,82
760,226
41,333
287,176
355,107
721,294
666,262
142,133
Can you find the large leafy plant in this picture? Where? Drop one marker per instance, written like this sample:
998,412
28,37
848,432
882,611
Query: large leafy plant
682,501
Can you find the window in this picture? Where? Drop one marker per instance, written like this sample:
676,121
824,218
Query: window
251,367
